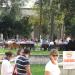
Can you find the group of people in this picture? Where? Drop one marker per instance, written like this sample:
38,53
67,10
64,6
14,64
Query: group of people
22,64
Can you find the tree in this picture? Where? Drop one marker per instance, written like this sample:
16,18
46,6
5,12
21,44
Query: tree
48,11
15,24
68,6
26,27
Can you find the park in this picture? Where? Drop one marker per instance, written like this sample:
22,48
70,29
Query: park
40,26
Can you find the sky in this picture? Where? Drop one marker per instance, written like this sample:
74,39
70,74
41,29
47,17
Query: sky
30,4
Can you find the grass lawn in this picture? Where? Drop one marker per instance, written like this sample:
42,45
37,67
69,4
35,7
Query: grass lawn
33,52
37,69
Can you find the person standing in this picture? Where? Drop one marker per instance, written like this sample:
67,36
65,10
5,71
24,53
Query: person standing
23,64
51,67
6,67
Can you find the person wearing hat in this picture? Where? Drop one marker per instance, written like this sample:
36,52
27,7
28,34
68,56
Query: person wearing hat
51,67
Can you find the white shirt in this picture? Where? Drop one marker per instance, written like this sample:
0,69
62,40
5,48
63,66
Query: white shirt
6,68
68,39
52,68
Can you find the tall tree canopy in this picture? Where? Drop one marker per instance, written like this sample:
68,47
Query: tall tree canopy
68,6
11,22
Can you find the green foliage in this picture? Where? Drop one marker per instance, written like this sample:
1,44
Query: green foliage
70,30
59,19
11,22
26,27
51,15
10,26
73,20
44,29
68,6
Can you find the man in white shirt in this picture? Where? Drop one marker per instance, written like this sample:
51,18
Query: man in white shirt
6,67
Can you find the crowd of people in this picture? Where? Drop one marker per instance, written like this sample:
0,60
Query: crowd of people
64,44
44,44
21,64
